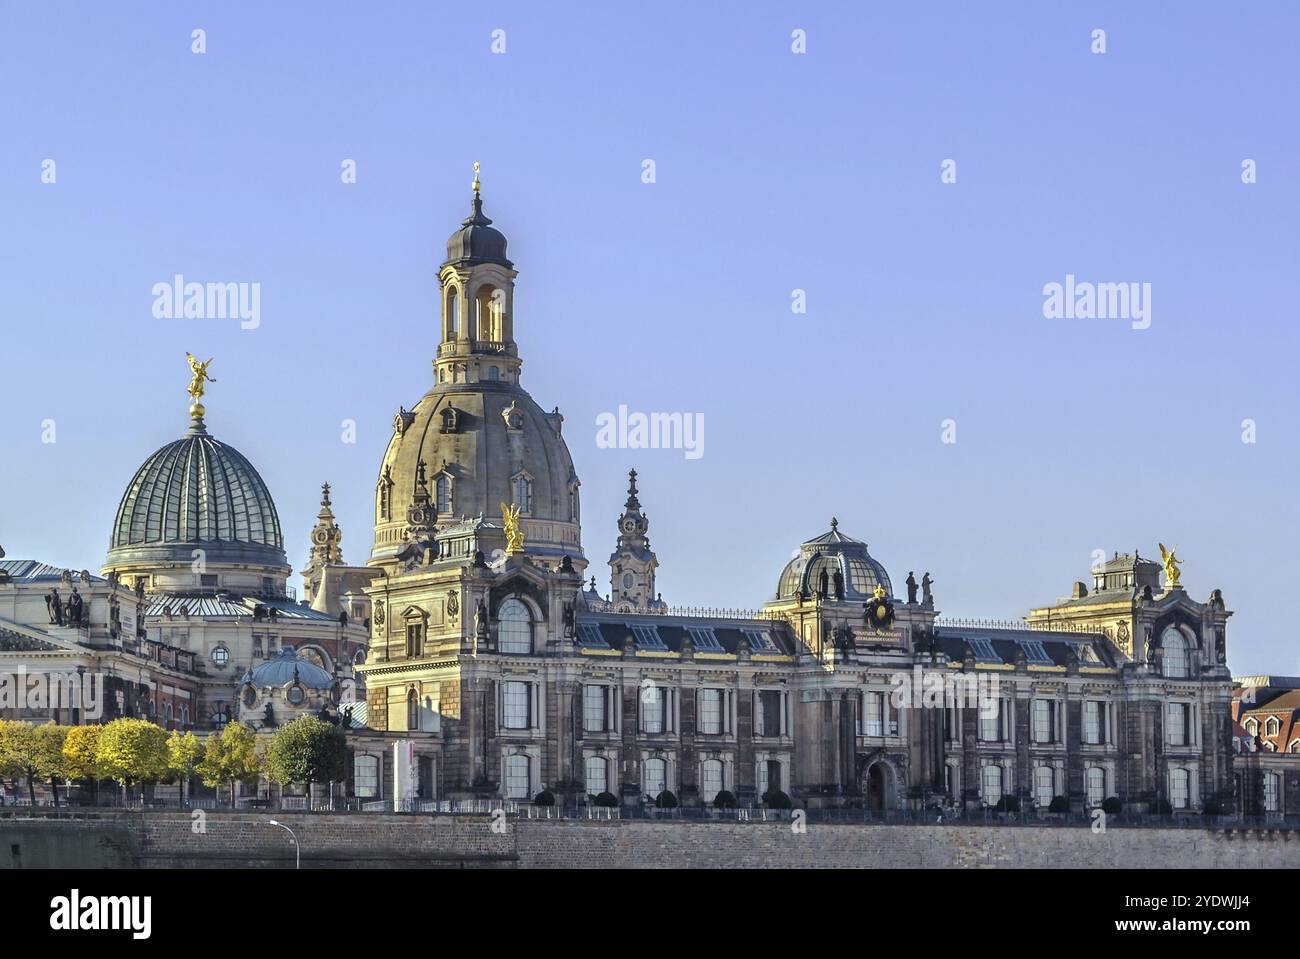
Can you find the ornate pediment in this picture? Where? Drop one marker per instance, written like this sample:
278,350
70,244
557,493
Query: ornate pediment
11,642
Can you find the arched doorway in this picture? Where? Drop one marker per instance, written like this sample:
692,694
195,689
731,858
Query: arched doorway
878,788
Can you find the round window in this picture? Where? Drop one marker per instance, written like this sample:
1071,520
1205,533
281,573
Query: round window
250,696
221,655
628,580
296,695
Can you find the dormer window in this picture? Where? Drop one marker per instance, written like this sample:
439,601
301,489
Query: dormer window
450,420
521,487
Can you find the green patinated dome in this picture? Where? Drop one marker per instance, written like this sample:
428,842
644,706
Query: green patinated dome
196,493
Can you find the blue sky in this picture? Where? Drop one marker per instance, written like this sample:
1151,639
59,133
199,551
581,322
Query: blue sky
775,172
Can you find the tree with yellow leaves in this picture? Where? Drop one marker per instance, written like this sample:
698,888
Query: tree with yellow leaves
183,756
230,756
132,751
79,749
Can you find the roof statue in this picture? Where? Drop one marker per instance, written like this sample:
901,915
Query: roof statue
199,375
1172,573
514,535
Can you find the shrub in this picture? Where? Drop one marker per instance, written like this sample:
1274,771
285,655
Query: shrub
775,799
1112,806
544,798
607,799
1059,804
1213,807
1008,804
724,800
666,800
1161,807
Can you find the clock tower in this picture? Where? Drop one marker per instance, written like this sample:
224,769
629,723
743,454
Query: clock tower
632,564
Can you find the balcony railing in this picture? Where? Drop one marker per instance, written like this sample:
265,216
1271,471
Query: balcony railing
466,347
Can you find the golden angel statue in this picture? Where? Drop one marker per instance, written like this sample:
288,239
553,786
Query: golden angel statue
200,374
514,535
1172,572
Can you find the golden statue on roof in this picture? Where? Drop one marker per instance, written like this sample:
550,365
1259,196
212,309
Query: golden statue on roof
1172,572
199,373
514,535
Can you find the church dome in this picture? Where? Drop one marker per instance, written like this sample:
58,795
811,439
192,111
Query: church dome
830,552
475,446
196,493
477,241
284,668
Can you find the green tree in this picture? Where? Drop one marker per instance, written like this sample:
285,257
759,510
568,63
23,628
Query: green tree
307,750
19,752
50,738
183,756
229,757
131,751
79,748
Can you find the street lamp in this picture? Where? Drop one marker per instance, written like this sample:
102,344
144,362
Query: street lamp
297,850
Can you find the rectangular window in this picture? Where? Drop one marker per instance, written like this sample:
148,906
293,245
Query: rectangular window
992,722
653,702
710,711
1092,720
414,639
1177,721
873,720
516,702
365,776
769,713
1272,792
1044,721
595,711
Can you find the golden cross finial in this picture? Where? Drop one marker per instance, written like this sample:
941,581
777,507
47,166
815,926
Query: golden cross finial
476,184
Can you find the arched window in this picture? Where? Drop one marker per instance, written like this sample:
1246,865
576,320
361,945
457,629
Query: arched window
1096,785
1044,785
514,628
1252,727
1175,654
1272,727
656,777
365,776
710,779
412,710
518,784
443,487
453,313
597,775
1180,781
573,501
991,780
487,308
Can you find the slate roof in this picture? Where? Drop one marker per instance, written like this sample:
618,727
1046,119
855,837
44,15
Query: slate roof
615,628
1092,650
